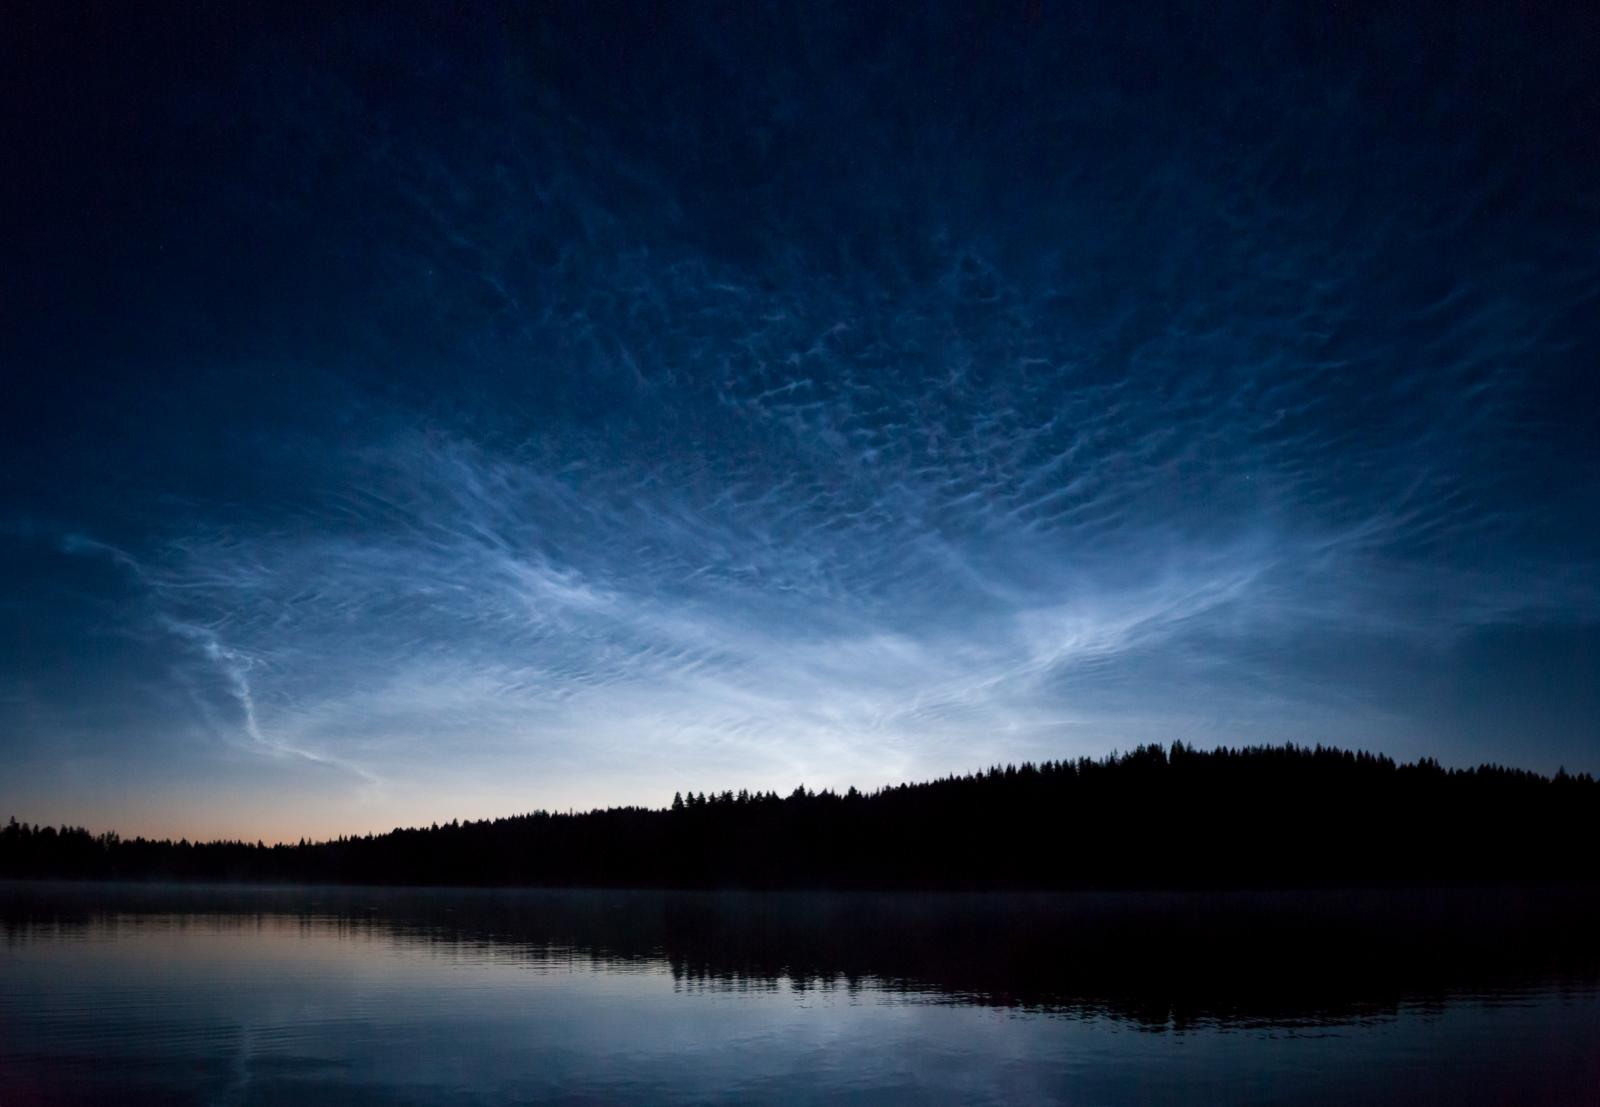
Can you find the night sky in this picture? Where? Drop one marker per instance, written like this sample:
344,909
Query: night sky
424,414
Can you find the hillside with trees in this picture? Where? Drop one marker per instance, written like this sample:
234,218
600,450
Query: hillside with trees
1277,816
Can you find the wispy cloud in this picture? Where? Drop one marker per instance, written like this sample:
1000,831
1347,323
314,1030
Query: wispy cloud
599,441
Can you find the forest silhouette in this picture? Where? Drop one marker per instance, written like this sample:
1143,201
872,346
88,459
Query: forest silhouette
1270,816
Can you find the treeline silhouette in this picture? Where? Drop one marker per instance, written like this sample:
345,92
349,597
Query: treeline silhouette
1272,816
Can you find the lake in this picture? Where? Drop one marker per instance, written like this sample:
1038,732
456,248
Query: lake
188,994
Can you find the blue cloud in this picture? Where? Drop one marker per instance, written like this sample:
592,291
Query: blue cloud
510,424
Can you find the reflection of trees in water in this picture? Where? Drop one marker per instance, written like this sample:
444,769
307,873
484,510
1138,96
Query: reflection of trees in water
1156,960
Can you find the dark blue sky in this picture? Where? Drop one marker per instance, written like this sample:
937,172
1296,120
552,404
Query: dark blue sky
430,414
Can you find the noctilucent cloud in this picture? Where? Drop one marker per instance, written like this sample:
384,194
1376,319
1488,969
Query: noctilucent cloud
451,413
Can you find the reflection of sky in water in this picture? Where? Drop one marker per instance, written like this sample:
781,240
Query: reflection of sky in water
268,1007
440,419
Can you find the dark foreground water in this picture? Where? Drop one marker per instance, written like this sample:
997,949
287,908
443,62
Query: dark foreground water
314,995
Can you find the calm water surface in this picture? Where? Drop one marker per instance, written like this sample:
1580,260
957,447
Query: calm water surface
237,995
